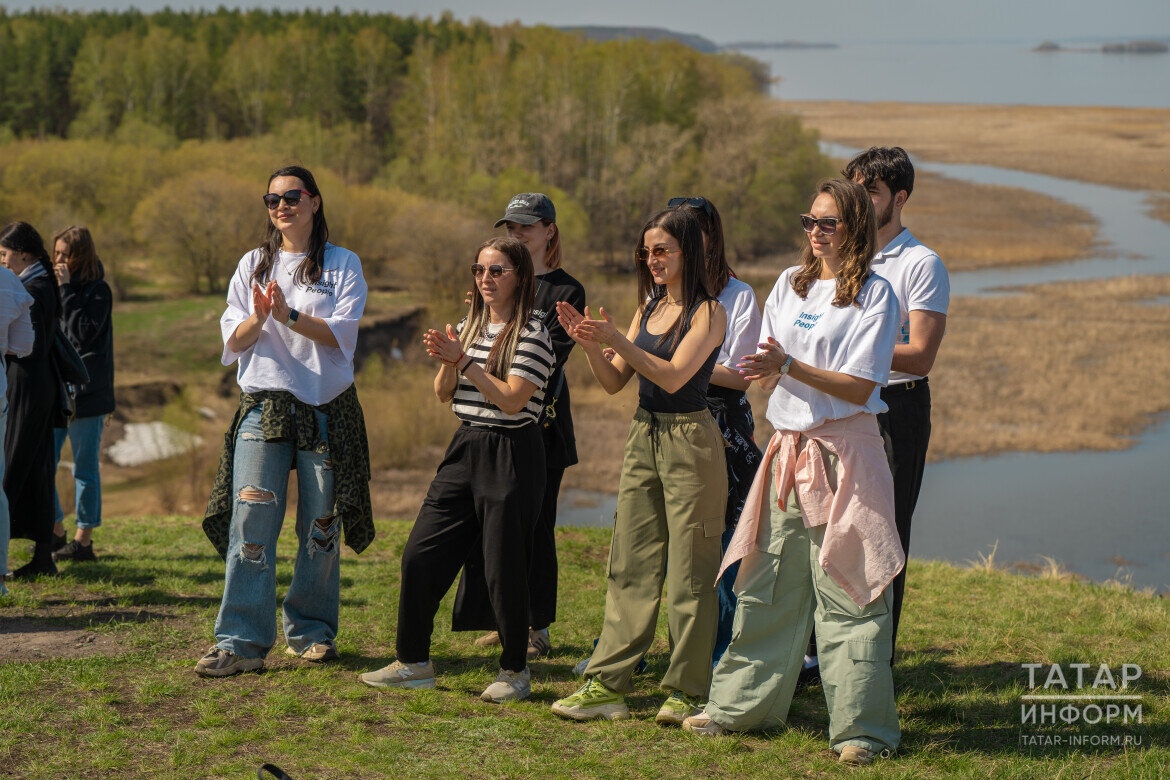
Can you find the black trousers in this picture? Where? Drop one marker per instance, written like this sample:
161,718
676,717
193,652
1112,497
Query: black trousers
473,610
487,493
906,431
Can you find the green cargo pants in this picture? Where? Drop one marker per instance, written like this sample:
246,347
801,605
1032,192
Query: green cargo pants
783,592
671,501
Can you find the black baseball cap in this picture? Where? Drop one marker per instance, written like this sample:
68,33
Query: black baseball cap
528,208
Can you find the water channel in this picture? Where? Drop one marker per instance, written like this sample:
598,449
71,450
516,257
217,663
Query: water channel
1103,515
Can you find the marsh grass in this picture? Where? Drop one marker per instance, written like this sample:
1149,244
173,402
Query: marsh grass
132,707
1121,147
1160,207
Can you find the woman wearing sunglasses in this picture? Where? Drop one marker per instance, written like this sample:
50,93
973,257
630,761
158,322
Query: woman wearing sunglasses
673,486
822,548
489,487
727,393
291,325
530,217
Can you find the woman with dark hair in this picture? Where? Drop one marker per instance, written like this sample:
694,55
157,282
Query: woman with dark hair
291,324
727,393
531,218
817,537
87,318
488,489
34,402
673,486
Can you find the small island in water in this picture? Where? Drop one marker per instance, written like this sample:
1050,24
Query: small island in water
1132,47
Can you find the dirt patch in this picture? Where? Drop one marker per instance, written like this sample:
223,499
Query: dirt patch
67,632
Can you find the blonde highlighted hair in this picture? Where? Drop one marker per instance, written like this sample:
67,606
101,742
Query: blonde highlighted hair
503,351
857,249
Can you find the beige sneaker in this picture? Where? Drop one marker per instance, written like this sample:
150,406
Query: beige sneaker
539,643
509,686
318,653
490,639
856,756
400,675
222,663
702,724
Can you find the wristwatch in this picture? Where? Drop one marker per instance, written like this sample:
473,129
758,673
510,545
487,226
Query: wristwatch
787,365
293,314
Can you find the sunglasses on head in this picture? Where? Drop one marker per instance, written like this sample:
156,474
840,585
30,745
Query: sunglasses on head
828,225
494,271
292,198
695,203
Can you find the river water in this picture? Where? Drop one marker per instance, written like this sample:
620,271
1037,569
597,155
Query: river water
1103,515
973,72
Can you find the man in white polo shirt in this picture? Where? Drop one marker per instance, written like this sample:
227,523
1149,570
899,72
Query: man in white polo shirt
923,289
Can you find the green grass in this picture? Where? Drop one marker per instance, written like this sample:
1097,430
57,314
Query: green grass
133,707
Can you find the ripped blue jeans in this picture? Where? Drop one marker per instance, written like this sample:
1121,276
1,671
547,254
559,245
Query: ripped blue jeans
246,624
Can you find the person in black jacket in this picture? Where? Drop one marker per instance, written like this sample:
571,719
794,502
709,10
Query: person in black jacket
34,402
531,218
87,318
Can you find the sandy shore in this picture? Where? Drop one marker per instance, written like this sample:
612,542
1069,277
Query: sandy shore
1122,147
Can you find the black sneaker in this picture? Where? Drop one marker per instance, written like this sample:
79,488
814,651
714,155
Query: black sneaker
75,551
59,542
33,569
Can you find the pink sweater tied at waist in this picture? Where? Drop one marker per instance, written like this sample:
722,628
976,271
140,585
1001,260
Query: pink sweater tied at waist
861,550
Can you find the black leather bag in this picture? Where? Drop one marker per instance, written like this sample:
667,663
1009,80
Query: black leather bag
71,373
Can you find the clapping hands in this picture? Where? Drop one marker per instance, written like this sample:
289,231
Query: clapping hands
764,363
582,328
444,347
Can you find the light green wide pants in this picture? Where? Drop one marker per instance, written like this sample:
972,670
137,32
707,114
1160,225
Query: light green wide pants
783,592
671,502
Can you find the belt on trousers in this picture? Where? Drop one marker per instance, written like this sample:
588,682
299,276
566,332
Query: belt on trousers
904,386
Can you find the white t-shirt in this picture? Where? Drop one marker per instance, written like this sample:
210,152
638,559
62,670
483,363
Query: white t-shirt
853,340
743,323
283,360
533,361
920,282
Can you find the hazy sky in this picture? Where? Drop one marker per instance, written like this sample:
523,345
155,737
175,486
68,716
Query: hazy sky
808,20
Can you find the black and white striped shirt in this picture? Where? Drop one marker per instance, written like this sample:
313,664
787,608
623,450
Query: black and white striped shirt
534,362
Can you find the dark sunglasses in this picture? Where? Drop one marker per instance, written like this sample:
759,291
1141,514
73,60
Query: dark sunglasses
695,203
495,271
828,225
644,253
292,198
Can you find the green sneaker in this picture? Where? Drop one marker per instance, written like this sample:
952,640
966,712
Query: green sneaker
677,708
593,701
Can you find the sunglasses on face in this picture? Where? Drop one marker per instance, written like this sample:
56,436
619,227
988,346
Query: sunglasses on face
828,225
695,203
658,252
292,198
494,271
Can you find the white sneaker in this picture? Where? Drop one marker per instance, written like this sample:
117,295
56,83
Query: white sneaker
400,675
509,686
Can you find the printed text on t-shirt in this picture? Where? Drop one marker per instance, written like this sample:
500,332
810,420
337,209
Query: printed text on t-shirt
806,320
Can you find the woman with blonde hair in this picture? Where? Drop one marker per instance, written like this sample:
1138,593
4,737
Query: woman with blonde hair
817,537
87,319
488,489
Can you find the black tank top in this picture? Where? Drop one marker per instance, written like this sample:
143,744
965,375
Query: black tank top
691,397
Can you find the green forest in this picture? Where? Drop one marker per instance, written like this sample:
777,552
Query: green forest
158,131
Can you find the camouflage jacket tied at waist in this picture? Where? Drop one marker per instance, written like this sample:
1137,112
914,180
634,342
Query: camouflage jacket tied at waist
284,418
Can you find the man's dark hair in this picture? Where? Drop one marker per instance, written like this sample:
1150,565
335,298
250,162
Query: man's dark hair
889,164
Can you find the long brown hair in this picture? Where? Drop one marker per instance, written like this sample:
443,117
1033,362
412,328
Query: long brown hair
503,351
857,250
309,271
83,261
552,254
684,228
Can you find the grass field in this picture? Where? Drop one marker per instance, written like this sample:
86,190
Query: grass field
96,680
1122,147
